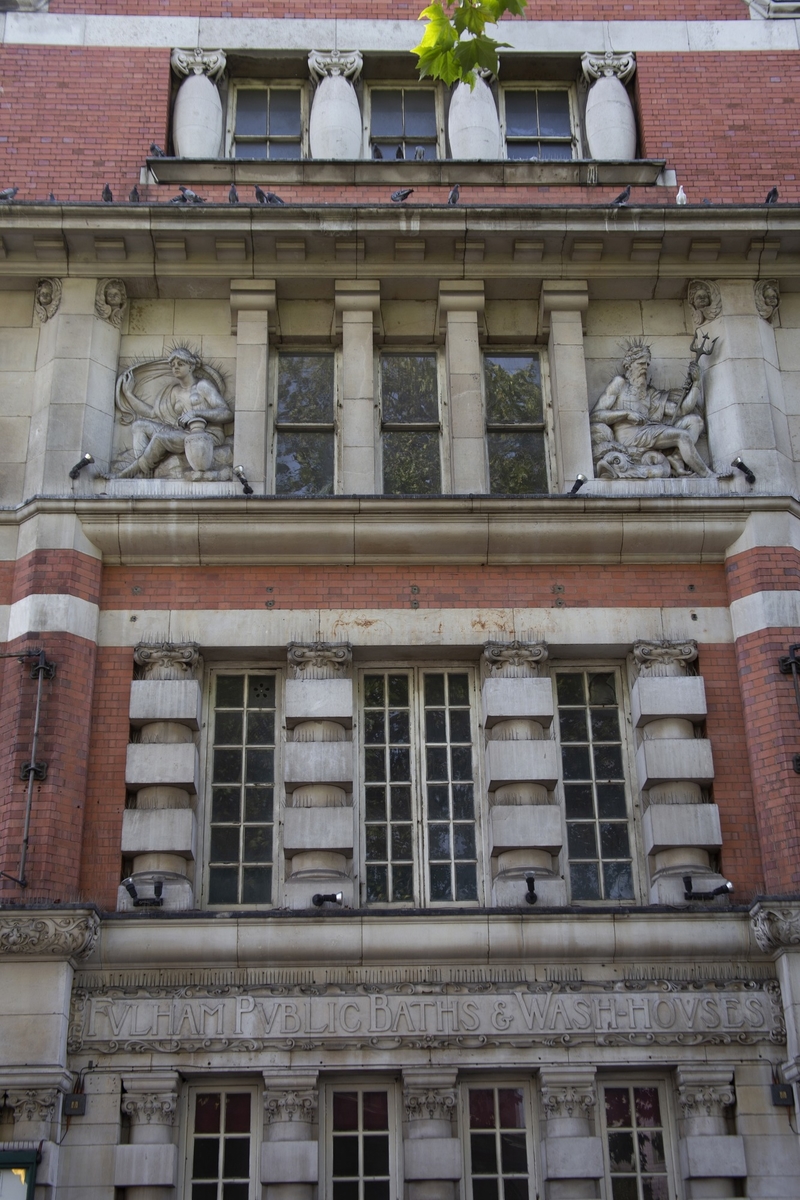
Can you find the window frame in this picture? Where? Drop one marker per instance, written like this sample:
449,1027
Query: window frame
390,85
532,1125
574,119
632,790
359,1082
445,470
274,426
223,1085
204,809
547,424
264,85
421,898
668,1125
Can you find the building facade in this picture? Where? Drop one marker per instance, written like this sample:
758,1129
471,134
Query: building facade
399,598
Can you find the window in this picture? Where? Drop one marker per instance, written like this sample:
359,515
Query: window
305,425
419,787
515,429
361,1149
635,1143
410,425
242,790
498,1150
266,121
221,1153
538,123
404,122
593,781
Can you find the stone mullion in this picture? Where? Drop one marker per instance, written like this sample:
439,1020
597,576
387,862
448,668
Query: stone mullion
146,1166
253,306
562,306
461,307
711,1157
290,1150
432,1155
356,303
572,1157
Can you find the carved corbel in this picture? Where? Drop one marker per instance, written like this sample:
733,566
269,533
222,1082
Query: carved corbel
703,1092
776,928
150,1108
568,1092
287,1104
47,298
599,66
663,658
705,300
318,660
168,660
33,1104
767,297
199,62
323,63
110,301
515,660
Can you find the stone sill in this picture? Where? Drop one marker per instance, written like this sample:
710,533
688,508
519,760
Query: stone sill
504,173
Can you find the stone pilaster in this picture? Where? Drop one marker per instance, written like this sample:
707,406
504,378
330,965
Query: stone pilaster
253,307
290,1150
432,1160
461,306
146,1167
562,304
572,1157
335,127
356,302
711,1157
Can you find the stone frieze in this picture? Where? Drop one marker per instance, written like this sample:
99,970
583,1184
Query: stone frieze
70,936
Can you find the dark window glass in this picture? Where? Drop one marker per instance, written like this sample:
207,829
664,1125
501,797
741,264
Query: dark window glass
304,453
223,1159
360,1159
388,830
403,122
635,1144
410,399
499,1153
268,123
452,853
538,124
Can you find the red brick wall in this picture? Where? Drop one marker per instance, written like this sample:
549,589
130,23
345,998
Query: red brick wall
57,572
767,568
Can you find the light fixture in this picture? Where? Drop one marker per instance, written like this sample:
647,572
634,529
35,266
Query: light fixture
689,893
320,898
743,467
240,475
580,480
154,901
76,470
530,895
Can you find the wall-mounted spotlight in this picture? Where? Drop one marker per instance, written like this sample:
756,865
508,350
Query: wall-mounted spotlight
743,467
689,893
76,470
240,475
154,901
320,898
580,480
530,895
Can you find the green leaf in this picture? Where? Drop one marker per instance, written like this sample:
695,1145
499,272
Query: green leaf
453,47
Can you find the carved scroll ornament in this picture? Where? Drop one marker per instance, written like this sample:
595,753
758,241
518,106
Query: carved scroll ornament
288,1105
596,66
428,1104
334,62
567,1100
318,660
62,937
776,928
33,1104
167,660
199,62
705,300
47,299
663,658
515,658
150,1108
705,1100
767,298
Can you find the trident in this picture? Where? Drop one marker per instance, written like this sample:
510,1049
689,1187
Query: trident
701,348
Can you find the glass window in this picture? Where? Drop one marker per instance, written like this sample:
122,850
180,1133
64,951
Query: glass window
420,832
268,122
305,425
498,1148
595,791
538,123
636,1144
241,818
410,425
515,431
360,1148
221,1158
403,123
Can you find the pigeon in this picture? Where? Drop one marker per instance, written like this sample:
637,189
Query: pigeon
133,195
191,197
681,196
233,195
455,192
622,198
399,151
401,195
772,196
108,195
267,197
51,199
179,199
376,152
156,151
706,201
419,153
8,193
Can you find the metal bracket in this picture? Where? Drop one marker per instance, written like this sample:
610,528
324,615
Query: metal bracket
788,666
43,667
38,770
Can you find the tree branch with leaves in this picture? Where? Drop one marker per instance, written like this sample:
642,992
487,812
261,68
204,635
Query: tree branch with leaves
455,45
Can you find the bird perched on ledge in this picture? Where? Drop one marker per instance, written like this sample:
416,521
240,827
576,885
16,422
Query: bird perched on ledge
233,195
622,199
133,195
156,151
8,193
191,197
681,197
772,196
267,197
108,195
455,192
401,195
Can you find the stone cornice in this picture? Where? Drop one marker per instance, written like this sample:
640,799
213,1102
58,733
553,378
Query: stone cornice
47,934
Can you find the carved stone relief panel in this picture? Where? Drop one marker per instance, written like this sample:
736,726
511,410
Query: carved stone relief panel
767,297
704,300
110,301
47,299
174,420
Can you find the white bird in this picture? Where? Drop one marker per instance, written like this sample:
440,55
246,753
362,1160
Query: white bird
681,196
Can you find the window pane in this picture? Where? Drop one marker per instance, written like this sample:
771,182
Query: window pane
420,112
513,388
517,463
284,150
387,113
251,112
305,388
618,1106
284,113
207,1109
513,1155
584,881
205,1160
522,151
236,1159
223,885
554,114
304,464
388,836
646,1106
520,113
409,387
411,465
512,1108
555,151
481,1108
345,1110
228,728
498,1153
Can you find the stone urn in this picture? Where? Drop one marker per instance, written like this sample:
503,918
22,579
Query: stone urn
197,114
473,125
610,122
335,126
198,445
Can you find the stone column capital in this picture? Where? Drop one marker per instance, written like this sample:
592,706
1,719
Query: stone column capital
357,295
150,1108
290,1096
32,1104
563,296
347,63
168,660
776,925
319,660
111,300
461,295
654,659
598,66
429,1095
199,62
705,300
516,659
705,1091
569,1092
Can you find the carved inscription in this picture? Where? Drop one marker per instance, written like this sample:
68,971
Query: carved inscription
260,1018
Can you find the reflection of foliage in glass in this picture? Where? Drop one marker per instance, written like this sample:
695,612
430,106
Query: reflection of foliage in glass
409,388
411,464
304,464
516,464
305,388
513,389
